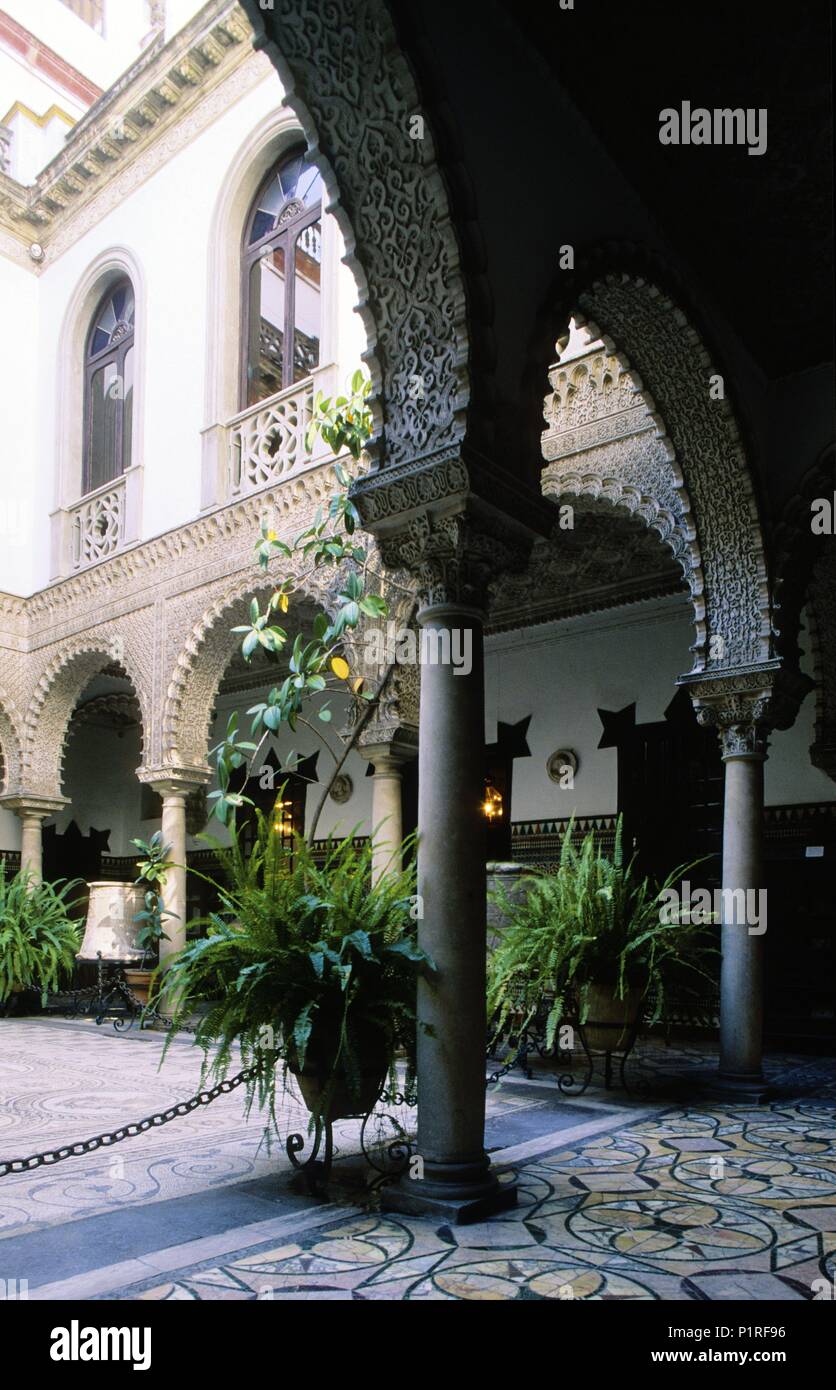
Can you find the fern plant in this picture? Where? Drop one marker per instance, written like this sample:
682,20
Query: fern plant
304,962
595,920
38,937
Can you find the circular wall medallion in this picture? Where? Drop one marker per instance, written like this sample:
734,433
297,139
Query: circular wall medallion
559,761
342,788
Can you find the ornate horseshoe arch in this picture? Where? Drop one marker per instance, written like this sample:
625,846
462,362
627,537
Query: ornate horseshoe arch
697,488
50,710
201,662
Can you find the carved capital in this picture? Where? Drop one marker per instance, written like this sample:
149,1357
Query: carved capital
454,558
743,705
34,804
175,781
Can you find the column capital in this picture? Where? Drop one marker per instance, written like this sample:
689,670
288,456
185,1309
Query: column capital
453,558
745,704
34,804
453,522
174,781
391,753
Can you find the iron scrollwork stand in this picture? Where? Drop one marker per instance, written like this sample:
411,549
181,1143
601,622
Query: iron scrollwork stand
316,1167
568,1082
101,999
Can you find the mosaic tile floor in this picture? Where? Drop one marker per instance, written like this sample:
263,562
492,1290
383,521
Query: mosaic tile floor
619,1197
695,1204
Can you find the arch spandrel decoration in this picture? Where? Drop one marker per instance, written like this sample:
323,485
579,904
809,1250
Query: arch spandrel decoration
56,694
353,94
701,462
10,745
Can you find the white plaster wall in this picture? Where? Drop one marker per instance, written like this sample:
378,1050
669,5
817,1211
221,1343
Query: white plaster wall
32,145
9,829
562,674
165,225
178,13
100,57
100,778
790,778
19,434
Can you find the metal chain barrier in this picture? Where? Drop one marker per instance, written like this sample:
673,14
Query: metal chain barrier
86,1146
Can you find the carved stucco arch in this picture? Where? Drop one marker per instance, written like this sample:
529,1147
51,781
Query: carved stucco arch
203,658
11,741
722,548
353,93
48,716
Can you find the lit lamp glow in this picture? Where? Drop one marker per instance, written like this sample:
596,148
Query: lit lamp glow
492,804
283,818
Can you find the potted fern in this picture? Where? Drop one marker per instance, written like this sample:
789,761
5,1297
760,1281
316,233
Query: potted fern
38,936
309,968
593,938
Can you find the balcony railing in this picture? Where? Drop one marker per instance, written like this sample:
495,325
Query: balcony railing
98,524
266,442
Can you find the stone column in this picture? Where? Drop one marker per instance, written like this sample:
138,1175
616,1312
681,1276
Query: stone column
387,760
174,786
742,943
33,810
743,707
451,890
173,831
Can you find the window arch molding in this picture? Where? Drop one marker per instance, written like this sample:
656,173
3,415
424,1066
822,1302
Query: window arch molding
112,266
278,135
109,360
281,247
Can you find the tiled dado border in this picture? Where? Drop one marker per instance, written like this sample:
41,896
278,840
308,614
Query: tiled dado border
537,842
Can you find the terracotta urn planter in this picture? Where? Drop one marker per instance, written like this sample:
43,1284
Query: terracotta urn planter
139,982
611,1022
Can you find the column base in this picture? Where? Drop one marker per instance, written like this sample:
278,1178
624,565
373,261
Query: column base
745,1089
423,1198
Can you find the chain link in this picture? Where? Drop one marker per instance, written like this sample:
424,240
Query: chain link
86,1146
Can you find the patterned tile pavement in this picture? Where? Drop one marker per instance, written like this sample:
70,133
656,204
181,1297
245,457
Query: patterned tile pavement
634,1199
694,1204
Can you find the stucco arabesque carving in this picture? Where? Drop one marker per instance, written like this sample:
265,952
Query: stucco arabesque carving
602,442
822,598
707,453
150,609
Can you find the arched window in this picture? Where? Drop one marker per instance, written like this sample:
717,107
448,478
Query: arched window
109,382
282,281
